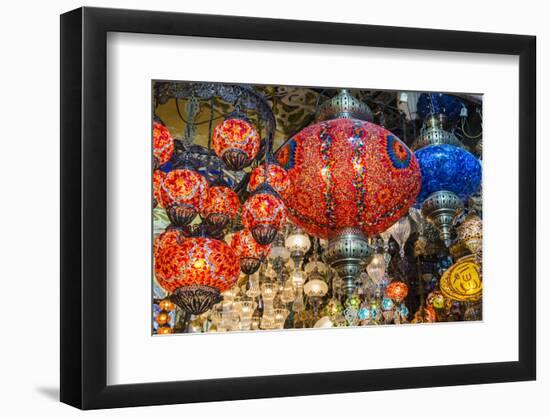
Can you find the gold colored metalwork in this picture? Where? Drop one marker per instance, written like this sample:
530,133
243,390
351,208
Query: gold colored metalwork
462,281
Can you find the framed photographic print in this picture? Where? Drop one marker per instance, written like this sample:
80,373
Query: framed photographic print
256,208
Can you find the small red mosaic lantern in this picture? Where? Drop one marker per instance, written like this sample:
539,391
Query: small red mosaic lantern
236,142
158,178
194,270
183,194
264,214
276,176
250,253
163,144
397,291
222,205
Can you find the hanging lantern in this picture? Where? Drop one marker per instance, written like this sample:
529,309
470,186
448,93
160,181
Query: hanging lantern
350,179
376,268
298,243
462,281
401,231
163,144
195,270
250,253
316,288
449,168
440,208
222,205
276,176
236,142
278,255
183,194
470,232
347,172
397,291
264,214
158,179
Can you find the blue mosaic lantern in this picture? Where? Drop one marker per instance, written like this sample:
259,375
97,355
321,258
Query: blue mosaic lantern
448,168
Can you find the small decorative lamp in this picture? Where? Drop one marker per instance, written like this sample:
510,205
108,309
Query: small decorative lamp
276,176
264,214
376,268
397,291
298,244
222,205
183,194
250,253
236,142
400,231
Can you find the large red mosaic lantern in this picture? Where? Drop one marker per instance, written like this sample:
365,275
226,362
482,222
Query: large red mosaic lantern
236,142
250,253
194,270
276,176
163,144
348,173
183,193
264,214
222,205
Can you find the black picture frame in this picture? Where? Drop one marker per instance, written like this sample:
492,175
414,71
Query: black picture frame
84,207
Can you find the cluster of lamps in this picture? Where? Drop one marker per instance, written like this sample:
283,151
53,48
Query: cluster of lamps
335,194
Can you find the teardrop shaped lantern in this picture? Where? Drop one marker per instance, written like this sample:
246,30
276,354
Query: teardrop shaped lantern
236,142
163,144
376,269
183,194
264,214
250,253
194,270
222,205
401,231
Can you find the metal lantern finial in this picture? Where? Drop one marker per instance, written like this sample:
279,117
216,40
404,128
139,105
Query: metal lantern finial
441,208
346,252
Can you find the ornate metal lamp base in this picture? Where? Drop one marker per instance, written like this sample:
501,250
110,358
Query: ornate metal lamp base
346,252
217,220
264,234
250,265
441,208
196,299
235,159
181,215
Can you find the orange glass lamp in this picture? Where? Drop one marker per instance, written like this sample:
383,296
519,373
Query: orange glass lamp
183,193
221,206
194,270
236,142
264,214
250,253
